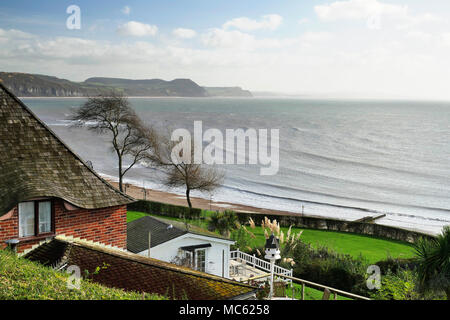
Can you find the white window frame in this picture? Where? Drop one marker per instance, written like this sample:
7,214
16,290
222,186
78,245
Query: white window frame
21,217
48,222
36,221
205,261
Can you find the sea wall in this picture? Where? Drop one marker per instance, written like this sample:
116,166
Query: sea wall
363,228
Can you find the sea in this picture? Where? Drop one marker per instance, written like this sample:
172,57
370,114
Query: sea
338,158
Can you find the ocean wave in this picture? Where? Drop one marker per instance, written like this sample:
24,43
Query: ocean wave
337,205
300,200
336,160
340,181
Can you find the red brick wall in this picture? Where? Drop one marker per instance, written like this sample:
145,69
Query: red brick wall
9,229
107,226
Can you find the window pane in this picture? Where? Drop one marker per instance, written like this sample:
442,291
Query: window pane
188,259
26,219
201,255
45,217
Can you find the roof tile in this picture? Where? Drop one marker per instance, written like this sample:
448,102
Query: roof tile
136,273
34,162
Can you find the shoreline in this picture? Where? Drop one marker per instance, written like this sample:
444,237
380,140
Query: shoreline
141,97
201,203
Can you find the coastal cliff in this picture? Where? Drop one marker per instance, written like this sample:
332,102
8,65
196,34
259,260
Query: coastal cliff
228,92
35,85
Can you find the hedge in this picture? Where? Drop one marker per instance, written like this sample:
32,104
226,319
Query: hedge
165,209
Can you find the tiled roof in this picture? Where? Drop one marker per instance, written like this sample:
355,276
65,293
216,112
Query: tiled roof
161,230
34,163
136,273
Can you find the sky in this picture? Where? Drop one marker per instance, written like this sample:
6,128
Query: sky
354,48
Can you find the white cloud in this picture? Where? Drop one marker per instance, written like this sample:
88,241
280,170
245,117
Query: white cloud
13,33
269,21
126,10
344,60
137,29
373,11
303,21
357,9
227,39
445,39
184,33
234,39
414,21
316,37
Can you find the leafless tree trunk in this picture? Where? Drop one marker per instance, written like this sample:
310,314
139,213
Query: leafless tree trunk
180,173
112,114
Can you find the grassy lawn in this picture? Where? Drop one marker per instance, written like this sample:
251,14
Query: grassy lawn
310,293
373,249
21,279
134,215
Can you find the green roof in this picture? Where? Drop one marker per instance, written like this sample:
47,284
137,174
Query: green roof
35,163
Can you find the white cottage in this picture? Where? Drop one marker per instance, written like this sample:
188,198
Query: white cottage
173,242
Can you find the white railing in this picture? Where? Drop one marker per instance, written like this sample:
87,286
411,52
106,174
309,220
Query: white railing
255,262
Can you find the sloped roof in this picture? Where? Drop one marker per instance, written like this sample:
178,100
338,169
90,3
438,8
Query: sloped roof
136,273
34,162
137,232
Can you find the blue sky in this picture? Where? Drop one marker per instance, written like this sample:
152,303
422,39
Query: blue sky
342,47
49,17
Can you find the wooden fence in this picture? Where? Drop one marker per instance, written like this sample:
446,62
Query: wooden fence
327,291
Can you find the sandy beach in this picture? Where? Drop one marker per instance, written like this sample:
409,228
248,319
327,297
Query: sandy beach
176,199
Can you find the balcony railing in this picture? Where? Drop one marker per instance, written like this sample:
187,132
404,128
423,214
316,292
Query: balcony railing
253,261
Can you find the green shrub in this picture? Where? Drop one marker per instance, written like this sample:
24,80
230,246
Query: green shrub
242,238
433,263
223,222
326,267
394,265
165,209
397,286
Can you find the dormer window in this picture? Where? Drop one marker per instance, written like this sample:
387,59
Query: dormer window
35,218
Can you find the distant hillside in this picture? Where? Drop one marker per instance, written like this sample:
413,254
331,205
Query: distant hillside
227,92
34,85
152,87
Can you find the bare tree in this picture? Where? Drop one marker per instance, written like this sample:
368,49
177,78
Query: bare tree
113,114
181,173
